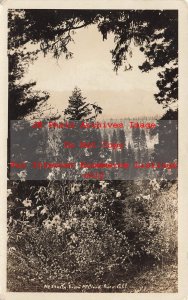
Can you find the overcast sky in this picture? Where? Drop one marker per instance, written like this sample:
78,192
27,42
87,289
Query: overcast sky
126,94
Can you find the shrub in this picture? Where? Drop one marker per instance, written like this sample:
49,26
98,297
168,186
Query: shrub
63,230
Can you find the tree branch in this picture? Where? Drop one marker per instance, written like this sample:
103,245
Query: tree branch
63,32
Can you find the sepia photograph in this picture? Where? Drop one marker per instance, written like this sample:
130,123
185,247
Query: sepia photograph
92,151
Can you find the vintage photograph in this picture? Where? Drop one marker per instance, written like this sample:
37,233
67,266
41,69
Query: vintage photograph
92,188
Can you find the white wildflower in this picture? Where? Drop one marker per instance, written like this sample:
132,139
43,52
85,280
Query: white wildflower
77,187
9,192
60,229
148,197
153,182
47,224
103,184
118,194
44,210
91,193
74,237
72,190
66,225
11,250
74,220
51,176
38,207
41,189
57,219
27,202
22,175
156,187
29,214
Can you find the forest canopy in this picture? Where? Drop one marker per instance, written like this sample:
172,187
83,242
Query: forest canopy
156,35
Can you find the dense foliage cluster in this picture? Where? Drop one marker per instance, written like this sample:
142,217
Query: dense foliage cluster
63,230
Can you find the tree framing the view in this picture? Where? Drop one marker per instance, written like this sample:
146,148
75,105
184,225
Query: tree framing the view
71,226
51,31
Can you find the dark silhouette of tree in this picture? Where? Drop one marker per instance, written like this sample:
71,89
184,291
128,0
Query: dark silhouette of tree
155,32
167,148
114,140
23,99
136,142
170,115
78,109
80,112
143,146
131,160
122,140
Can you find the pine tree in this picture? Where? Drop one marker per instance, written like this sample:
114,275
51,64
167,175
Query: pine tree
114,140
122,140
131,159
78,109
136,141
105,151
143,146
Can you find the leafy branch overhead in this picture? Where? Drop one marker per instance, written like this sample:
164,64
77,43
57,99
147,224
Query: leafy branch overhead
155,32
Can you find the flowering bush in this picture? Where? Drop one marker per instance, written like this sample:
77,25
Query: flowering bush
68,228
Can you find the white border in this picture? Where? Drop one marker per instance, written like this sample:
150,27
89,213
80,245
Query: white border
182,7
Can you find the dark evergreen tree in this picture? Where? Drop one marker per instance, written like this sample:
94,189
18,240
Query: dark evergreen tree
122,140
143,146
73,142
136,142
131,160
167,148
78,109
114,140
